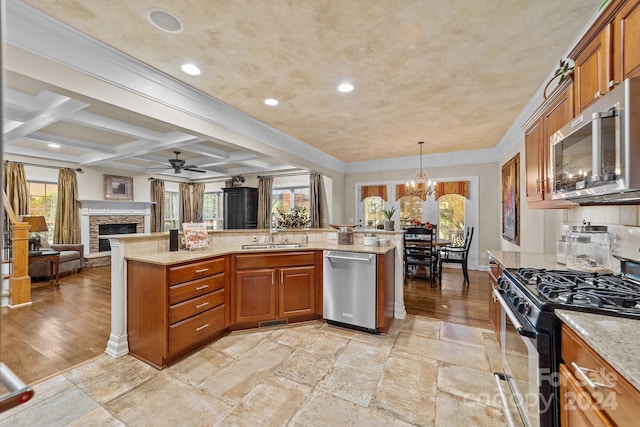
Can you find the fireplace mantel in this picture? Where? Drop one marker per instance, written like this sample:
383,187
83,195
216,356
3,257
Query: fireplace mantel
110,208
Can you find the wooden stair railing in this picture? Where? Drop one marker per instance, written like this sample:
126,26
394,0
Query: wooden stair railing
19,282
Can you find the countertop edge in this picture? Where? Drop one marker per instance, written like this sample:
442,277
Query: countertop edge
611,337
181,256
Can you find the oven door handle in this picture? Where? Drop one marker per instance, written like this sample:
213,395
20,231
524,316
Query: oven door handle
512,317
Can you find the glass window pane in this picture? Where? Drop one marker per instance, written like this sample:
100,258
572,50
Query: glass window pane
171,213
212,215
43,200
373,207
410,210
451,218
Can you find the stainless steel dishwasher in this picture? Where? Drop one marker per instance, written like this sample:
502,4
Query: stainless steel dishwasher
349,289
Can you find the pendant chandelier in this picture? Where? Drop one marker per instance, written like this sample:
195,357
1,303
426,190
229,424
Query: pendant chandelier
421,186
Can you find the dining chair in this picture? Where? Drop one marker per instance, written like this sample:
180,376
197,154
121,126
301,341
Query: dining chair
457,254
420,253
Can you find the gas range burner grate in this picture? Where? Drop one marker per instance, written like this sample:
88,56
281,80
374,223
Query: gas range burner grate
602,298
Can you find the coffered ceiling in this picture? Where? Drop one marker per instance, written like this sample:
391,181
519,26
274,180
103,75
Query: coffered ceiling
455,74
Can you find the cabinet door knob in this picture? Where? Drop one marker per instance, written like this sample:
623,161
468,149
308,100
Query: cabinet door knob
597,95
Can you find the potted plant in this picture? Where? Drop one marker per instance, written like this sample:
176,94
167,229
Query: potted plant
389,225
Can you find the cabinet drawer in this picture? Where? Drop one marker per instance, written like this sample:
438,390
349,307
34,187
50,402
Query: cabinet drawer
613,394
195,288
197,270
195,306
286,259
195,330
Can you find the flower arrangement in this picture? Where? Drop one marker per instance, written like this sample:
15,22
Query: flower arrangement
297,218
416,223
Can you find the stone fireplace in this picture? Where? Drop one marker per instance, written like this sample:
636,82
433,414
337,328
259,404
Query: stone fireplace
113,217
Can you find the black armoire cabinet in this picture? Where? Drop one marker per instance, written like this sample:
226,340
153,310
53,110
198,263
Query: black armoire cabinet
240,208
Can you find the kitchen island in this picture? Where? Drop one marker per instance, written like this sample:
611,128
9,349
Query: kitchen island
152,250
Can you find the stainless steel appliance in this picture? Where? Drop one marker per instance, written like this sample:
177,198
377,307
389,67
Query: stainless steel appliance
531,332
596,157
349,289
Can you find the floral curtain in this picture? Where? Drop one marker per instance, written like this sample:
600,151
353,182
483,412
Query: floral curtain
265,185
157,207
197,202
314,200
15,184
67,225
185,202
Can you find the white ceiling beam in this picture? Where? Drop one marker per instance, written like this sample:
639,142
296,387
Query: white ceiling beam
39,154
138,148
96,121
70,142
54,107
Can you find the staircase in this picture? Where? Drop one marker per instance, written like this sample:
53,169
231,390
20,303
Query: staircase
16,283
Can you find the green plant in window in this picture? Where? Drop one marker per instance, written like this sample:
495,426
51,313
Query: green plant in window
388,213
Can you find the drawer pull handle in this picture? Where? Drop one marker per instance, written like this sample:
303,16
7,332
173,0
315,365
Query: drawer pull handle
581,373
202,270
199,288
204,304
199,328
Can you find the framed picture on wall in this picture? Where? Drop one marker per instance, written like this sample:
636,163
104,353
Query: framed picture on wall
118,187
511,200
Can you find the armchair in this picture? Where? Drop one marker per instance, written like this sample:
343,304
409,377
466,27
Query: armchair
71,258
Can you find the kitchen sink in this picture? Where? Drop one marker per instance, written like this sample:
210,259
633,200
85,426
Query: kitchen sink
272,246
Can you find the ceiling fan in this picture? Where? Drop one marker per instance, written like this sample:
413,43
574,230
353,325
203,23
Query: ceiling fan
178,165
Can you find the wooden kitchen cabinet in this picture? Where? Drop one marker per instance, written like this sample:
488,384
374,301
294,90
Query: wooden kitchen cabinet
172,310
592,70
276,286
555,113
609,400
608,53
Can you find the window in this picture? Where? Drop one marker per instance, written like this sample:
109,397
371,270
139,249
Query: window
285,199
410,210
213,215
171,210
373,206
451,212
43,200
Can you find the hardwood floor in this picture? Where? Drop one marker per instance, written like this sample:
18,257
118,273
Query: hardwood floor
62,328
70,325
451,300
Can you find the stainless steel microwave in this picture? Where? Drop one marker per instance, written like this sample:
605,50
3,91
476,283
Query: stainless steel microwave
596,157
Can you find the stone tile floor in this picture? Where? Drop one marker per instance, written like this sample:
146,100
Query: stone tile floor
424,372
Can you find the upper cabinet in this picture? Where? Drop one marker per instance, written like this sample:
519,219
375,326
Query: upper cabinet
608,53
555,113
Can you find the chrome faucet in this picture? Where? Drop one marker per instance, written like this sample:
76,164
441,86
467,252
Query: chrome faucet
274,226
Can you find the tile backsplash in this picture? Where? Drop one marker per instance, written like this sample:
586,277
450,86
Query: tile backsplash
604,215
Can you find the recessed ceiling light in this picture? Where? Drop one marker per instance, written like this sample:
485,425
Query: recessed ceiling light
164,21
52,145
191,69
271,102
345,87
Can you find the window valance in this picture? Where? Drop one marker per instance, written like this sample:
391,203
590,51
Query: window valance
453,187
373,190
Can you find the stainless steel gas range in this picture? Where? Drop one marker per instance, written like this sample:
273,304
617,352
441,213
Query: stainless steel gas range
531,331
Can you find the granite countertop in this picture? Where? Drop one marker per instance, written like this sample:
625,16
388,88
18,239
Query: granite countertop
169,258
510,259
615,339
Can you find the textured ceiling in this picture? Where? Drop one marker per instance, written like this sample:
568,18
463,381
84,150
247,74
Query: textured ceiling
452,73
